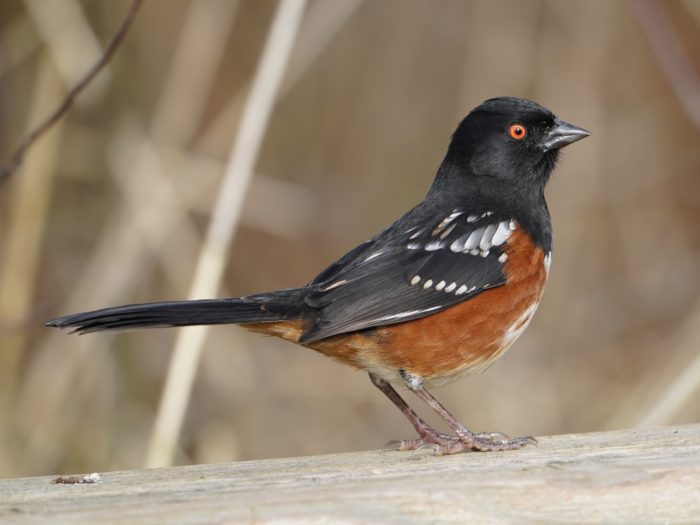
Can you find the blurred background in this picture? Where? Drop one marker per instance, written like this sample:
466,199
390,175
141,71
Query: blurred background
111,207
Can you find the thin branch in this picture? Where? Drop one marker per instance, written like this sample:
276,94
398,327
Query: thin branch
18,156
212,258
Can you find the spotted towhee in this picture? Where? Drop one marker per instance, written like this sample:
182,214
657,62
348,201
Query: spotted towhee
439,294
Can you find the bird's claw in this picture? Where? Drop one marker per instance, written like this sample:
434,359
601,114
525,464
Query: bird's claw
486,442
443,445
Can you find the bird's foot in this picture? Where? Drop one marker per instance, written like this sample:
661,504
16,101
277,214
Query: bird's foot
466,440
439,443
446,445
490,441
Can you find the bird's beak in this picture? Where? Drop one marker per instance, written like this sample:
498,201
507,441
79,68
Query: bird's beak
563,134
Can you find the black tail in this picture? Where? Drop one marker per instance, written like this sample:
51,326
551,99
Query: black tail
265,307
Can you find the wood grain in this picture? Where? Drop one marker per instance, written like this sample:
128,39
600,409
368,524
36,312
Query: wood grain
630,476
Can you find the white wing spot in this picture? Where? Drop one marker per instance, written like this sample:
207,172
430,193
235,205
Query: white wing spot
407,314
513,224
416,234
484,253
473,239
462,289
451,287
335,285
502,233
415,280
485,242
439,286
465,242
482,239
503,258
427,284
448,231
475,217
434,245
447,220
374,256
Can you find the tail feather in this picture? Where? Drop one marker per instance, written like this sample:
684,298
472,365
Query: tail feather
282,305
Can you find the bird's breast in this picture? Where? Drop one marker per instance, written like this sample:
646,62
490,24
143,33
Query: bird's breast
467,338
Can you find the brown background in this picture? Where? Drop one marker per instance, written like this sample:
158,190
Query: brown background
118,196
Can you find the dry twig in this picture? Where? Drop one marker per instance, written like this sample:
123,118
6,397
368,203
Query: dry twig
212,258
18,156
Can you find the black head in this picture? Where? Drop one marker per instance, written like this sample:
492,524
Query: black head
500,159
508,144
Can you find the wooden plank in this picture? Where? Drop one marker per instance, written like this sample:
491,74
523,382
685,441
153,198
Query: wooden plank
630,476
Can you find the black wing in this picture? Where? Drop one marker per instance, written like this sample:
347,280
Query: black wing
408,272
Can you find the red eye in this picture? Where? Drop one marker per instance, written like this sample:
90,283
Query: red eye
517,131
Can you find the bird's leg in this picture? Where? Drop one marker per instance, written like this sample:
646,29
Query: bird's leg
469,440
428,435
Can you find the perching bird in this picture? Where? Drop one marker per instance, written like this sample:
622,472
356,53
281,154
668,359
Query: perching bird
440,293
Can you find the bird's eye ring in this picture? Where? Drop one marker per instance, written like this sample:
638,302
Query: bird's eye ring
517,131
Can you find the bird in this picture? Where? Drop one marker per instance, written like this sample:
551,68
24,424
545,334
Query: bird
439,294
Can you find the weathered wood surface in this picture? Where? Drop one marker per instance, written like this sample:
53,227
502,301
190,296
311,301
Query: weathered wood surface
632,476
